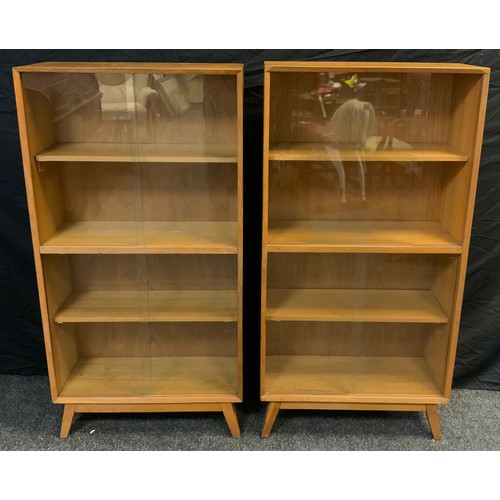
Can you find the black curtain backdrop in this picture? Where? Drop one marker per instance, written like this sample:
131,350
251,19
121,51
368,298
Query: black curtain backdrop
21,341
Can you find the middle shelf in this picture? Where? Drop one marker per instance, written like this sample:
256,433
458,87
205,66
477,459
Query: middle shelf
143,237
401,151
372,236
357,305
139,153
93,306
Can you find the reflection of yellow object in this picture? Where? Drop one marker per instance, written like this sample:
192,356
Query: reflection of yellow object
352,82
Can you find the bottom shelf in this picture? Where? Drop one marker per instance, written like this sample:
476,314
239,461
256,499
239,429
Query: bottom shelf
174,379
349,378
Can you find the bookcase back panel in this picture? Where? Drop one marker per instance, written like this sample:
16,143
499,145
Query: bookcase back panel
193,192
100,191
340,190
360,271
346,339
96,340
149,192
153,272
172,339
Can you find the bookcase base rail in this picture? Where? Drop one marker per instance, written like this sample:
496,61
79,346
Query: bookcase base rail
274,408
226,408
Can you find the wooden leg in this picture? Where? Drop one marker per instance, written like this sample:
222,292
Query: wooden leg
231,419
69,412
433,418
271,414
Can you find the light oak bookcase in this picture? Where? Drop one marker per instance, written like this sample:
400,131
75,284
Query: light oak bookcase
134,183
370,173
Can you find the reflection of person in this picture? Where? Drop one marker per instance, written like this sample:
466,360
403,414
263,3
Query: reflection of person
348,128
352,124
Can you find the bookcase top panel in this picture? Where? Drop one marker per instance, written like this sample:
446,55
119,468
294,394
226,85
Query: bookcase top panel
131,67
304,66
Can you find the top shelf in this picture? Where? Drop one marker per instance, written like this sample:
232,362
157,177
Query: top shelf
319,151
139,153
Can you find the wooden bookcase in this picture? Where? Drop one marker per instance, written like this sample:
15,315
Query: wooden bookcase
370,173
134,182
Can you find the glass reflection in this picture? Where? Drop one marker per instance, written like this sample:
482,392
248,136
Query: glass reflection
371,111
328,123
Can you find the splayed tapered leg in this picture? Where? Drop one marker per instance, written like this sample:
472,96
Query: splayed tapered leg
231,419
271,414
67,420
433,418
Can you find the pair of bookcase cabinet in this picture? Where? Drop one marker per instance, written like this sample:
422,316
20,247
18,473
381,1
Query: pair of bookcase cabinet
134,183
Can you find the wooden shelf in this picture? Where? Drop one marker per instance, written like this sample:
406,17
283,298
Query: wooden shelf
360,236
145,306
171,379
319,151
353,378
139,153
207,237
394,306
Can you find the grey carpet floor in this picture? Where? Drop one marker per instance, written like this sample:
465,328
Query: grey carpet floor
29,421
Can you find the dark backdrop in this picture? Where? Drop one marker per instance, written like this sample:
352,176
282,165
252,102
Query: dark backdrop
21,341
